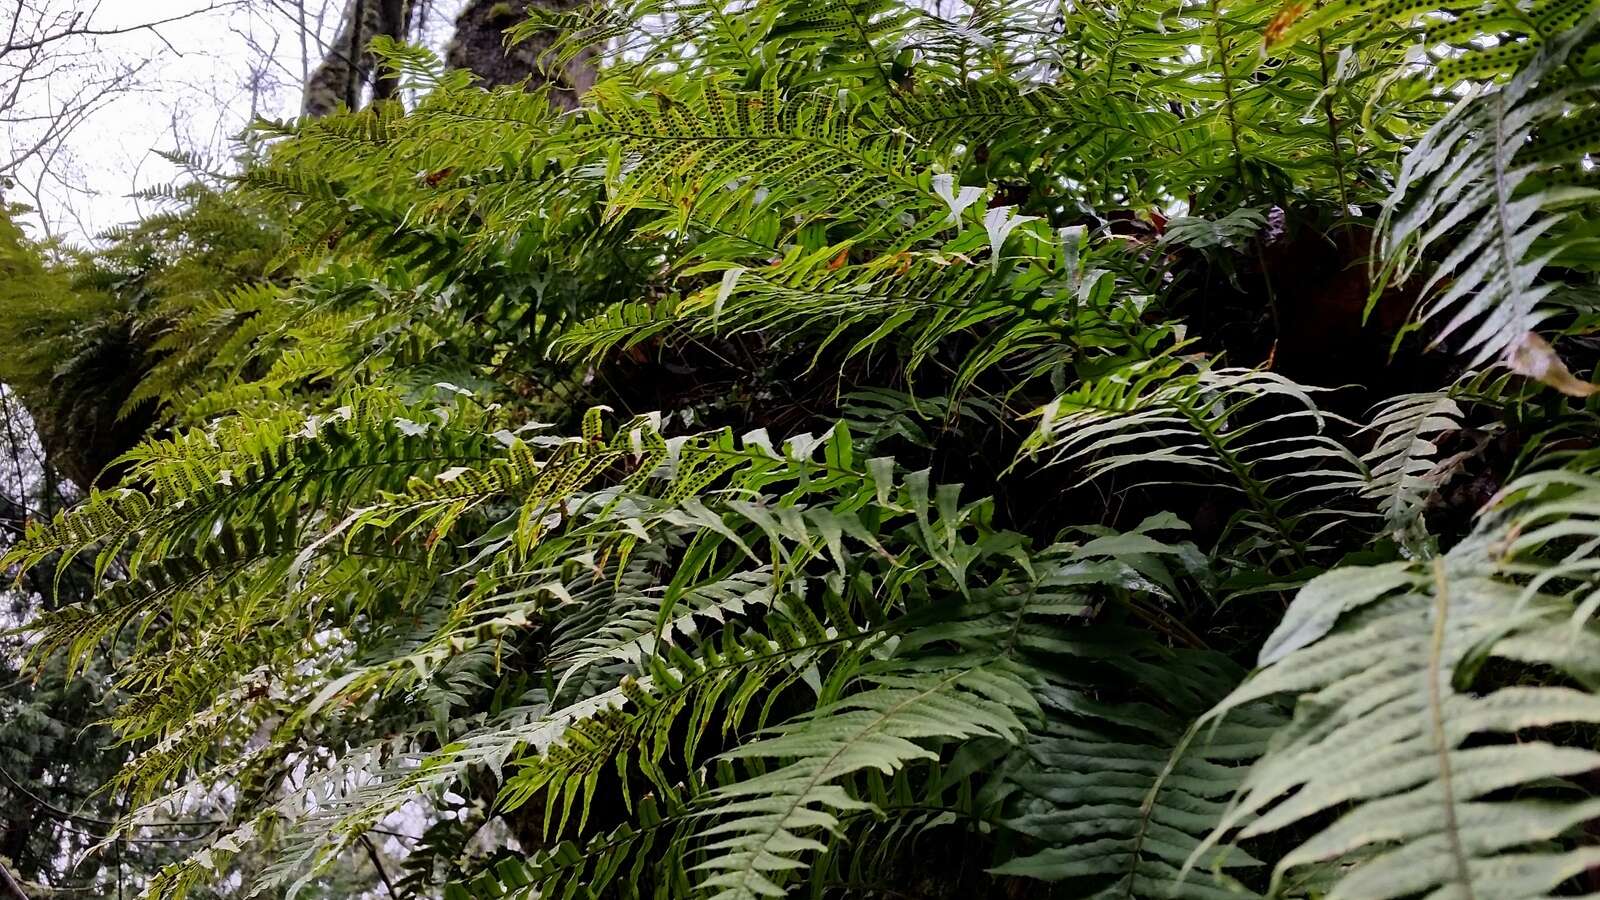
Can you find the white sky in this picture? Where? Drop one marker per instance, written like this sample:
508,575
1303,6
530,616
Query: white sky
202,79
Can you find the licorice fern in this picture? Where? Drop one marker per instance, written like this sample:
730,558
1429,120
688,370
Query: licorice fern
1498,161
644,493
1254,432
1454,775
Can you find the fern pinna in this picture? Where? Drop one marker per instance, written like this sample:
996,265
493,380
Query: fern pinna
872,449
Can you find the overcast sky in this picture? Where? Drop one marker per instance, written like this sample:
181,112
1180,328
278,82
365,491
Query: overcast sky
199,81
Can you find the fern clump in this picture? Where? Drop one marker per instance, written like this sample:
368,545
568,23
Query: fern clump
1091,450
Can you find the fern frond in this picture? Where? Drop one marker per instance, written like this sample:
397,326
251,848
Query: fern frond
199,479
741,155
625,860
1406,468
1254,432
1453,776
764,821
1121,795
1464,40
922,303
1470,186
640,625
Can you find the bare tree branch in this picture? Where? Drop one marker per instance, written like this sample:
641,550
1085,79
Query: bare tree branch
73,29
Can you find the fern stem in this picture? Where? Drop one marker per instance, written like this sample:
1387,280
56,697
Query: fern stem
1168,624
1147,807
1333,122
1242,473
892,97
1227,90
1502,193
1441,741
1111,73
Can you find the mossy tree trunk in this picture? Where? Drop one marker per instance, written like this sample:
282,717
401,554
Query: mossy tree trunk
480,46
343,74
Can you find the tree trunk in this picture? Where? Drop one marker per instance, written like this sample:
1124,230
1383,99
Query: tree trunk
396,14
348,66
480,47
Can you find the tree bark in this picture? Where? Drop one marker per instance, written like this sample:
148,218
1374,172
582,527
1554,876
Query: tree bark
77,416
396,14
479,46
348,66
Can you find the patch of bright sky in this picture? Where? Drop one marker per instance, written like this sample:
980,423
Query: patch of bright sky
203,79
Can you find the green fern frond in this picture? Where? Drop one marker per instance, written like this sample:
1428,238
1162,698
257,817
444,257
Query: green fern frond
1463,40
1467,186
730,158
1406,468
1121,794
1252,431
764,822
625,860
922,303
1453,776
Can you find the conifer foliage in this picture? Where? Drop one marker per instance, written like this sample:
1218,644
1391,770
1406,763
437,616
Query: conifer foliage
873,448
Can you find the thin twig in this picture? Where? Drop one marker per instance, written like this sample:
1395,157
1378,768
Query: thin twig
377,863
72,29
